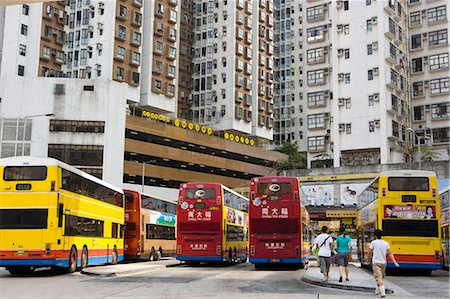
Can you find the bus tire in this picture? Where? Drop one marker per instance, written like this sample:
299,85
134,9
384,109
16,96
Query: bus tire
73,260
84,257
114,256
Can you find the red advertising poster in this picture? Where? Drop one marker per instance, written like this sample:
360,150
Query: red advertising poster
410,212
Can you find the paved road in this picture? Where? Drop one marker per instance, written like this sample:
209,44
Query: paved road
238,281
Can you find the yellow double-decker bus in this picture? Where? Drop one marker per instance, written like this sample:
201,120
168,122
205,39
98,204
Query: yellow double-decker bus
54,215
445,225
404,204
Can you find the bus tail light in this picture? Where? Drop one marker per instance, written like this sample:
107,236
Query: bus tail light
252,250
218,200
252,196
218,250
383,191
52,185
48,248
297,250
436,255
179,249
180,200
434,192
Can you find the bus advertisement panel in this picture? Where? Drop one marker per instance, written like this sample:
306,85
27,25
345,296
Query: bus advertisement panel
54,215
279,224
150,226
404,205
445,225
212,224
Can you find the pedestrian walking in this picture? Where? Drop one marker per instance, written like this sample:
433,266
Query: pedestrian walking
379,249
325,244
344,252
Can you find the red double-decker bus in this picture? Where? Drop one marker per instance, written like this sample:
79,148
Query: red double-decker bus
279,223
212,224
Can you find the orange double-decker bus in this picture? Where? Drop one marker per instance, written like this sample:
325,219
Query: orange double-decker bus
212,224
149,226
279,223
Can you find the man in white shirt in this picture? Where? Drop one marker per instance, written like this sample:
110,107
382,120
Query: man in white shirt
379,248
325,244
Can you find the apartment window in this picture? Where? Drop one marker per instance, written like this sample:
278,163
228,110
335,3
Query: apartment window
170,89
369,49
173,34
159,47
316,121
171,70
83,57
417,89
371,126
395,129
123,11
25,9
158,66
346,53
346,29
368,2
21,70
440,110
370,75
438,37
416,65
416,41
439,86
418,113
76,126
136,38
173,15
439,61
347,78
136,58
346,3
441,135
23,50
120,73
157,85
315,55
348,129
160,9
314,12
122,32
316,143
348,103
137,18
315,33
415,18
437,14
371,100
369,25
315,77
135,77
316,99
24,29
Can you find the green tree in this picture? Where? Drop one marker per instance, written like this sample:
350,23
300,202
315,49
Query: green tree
296,159
428,154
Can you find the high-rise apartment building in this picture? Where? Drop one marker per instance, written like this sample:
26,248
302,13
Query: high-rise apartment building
232,66
429,68
80,39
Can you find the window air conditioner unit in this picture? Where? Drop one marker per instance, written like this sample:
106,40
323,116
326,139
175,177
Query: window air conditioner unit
90,28
340,28
340,52
325,71
376,97
375,71
100,25
427,107
339,4
99,46
341,127
424,13
424,36
375,45
425,59
426,83
341,77
327,115
59,89
101,5
341,101
377,123
374,20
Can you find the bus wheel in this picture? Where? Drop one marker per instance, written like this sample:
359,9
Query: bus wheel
20,270
84,257
73,258
114,257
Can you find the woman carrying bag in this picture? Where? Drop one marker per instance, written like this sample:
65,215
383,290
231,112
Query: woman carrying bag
344,252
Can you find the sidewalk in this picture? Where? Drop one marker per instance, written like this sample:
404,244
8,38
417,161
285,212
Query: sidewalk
113,270
360,280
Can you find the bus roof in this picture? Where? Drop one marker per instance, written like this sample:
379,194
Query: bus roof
151,195
407,173
46,161
212,183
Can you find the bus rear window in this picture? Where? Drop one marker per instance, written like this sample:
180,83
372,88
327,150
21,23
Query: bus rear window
23,218
408,184
195,193
274,188
25,173
411,228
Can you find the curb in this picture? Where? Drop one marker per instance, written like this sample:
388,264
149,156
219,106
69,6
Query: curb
98,274
174,265
112,274
343,286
